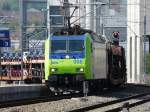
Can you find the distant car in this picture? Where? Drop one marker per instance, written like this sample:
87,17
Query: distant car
25,56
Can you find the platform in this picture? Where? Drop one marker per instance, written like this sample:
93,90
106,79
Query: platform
22,91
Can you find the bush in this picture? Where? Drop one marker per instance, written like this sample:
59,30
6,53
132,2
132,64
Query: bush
9,5
148,64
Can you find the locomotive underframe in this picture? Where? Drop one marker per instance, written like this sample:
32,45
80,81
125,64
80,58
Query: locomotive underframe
57,83
65,82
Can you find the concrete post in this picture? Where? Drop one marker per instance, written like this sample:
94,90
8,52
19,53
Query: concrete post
135,65
82,12
133,58
138,54
88,17
129,63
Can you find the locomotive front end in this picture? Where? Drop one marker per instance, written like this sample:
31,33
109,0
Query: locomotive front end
65,65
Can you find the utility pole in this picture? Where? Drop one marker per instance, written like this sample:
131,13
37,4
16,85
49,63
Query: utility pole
149,43
48,19
66,12
145,44
145,39
21,33
98,18
0,64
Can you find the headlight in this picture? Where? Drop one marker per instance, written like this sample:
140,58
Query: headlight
67,57
53,70
80,69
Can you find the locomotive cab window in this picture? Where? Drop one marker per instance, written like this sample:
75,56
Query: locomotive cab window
76,46
58,46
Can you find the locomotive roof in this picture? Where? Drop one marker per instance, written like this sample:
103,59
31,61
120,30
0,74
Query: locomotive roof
77,32
68,37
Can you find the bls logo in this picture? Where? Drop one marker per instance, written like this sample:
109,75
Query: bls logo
77,61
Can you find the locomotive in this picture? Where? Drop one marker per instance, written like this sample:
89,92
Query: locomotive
75,55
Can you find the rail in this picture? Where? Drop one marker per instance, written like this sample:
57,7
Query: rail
100,105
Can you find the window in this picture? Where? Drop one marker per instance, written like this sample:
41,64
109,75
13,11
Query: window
76,45
67,46
56,15
58,46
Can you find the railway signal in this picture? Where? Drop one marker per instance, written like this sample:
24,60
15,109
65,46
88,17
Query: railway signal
116,35
115,38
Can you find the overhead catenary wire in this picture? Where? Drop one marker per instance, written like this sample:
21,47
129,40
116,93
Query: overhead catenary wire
93,11
100,4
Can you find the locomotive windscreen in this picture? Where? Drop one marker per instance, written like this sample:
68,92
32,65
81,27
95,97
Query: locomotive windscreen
67,46
58,46
76,46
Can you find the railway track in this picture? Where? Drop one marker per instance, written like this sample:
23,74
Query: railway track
124,95
109,106
128,105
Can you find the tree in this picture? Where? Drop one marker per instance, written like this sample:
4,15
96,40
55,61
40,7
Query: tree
6,6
